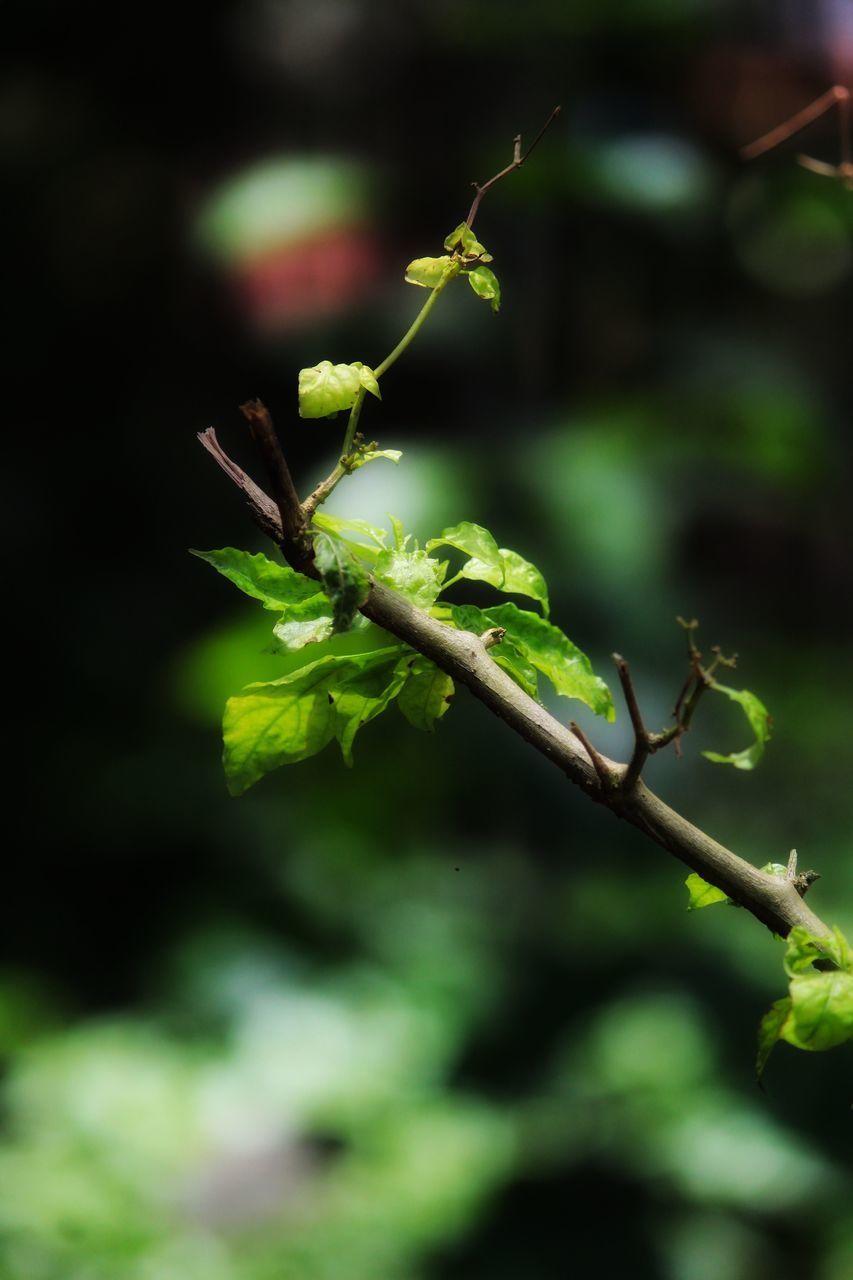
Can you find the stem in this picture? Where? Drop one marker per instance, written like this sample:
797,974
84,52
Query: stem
517,161
412,331
352,424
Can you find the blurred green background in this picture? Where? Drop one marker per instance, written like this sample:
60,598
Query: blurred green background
435,1017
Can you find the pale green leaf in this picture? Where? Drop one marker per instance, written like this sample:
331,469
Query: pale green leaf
344,580
415,574
326,388
427,272
370,455
804,948
759,720
702,894
523,578
275,585
341,528
401,538
297,628
770,1031
485,563
425,696
485,284
462,239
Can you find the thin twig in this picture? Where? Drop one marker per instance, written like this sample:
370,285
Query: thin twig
599,763
517,161
782,132
293,540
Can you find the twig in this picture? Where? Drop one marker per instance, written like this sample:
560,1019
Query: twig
782,132
517,161
293,539
776,903
601,765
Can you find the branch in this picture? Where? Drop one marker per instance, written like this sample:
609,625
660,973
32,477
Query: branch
293,540
517,161
465,658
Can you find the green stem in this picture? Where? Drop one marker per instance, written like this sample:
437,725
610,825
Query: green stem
354,414
452,270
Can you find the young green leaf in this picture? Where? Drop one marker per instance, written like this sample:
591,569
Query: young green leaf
364,532
370,455
425,696
550,651
325,388
818,1012
305,624
759,719
485,284
427,272
275,585
523,578
344,580
467,617
416,575
462,239
703,894
485,563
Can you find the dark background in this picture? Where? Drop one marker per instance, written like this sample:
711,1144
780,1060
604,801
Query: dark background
658,417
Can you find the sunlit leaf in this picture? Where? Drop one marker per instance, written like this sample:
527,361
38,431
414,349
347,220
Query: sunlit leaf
326,388
821,1010
702,894
462,239
427,272
415,574
523,578
485,563
341,528
275,585
759,719
426,695
344,580
804,948
485,284
299,627
370,455
469,618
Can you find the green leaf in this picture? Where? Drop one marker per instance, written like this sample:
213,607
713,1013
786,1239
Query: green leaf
804,948
549,650
416,575
425,696
301,626
370,455
821,1011
401,538
278,723
759,719
344,580
770,1031
427,272
365,695
462,239
523,578
288,720
485,284
703,894
485,564
325,388
340,527
275,585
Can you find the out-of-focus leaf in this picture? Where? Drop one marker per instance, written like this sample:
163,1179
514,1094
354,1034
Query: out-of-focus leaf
416,575
759,719
703,894
485,284
344,580
427,272
425,696
275,585
325,388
